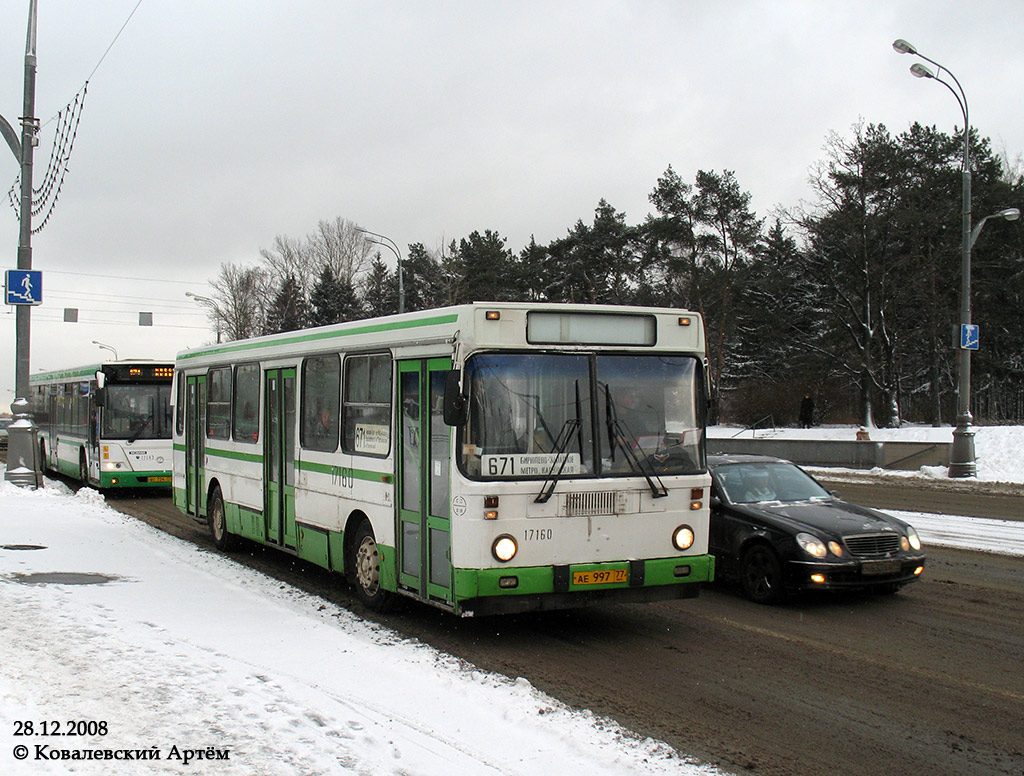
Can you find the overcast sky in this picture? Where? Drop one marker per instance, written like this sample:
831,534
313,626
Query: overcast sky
210,128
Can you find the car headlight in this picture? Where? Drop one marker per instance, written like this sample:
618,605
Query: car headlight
812,545
683,537
504,548
913,539
836,549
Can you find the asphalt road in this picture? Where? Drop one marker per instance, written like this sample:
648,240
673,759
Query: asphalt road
925,681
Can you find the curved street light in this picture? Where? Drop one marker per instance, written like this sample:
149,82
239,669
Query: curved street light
962,461
107,347
212,304
388,243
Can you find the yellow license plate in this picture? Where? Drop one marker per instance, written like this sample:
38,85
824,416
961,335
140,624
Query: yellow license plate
159,479
602,577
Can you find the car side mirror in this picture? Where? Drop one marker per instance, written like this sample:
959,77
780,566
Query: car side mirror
834,493
456,408
716,502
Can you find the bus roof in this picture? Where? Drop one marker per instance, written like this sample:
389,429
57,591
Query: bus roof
89,370
471,324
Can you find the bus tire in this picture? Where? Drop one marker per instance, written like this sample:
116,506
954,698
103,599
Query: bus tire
364,561
761,575
217,519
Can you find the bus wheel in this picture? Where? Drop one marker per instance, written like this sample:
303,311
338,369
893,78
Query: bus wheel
216,518
761,574
365,565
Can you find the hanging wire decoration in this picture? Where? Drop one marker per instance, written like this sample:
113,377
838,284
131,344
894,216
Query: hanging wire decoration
44,198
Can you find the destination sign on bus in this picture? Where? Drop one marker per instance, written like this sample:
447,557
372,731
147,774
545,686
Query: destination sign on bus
529,465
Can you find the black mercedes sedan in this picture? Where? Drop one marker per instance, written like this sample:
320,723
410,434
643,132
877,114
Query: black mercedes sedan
777,531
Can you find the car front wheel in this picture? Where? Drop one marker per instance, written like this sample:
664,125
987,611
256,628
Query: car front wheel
761,575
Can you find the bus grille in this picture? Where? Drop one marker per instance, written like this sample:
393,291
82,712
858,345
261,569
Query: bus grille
873,545
588,504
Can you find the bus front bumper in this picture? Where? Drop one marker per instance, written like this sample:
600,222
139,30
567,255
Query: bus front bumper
540,588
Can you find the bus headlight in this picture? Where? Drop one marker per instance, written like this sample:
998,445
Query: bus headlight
504,548
683,538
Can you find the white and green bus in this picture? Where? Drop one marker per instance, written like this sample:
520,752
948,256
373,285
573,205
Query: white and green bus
485,458
108,425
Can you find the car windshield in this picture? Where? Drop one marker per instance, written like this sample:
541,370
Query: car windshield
748,483
531,414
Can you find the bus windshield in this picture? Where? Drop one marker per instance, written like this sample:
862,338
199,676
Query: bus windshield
136,411
583,415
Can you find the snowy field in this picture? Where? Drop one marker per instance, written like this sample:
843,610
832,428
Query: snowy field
180,654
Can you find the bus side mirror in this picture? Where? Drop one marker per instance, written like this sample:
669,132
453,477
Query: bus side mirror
455,404
101,380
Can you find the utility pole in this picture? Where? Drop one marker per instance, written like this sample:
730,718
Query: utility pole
23,464
23,152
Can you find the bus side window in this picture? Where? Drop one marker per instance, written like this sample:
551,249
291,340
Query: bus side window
246,421
366,427
218,403
321,389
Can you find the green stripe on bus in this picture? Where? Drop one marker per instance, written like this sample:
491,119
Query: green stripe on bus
83,371
537,580
337,471
322,335
234,455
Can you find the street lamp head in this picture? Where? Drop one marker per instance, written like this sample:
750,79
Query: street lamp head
1010,214
902,47
920,71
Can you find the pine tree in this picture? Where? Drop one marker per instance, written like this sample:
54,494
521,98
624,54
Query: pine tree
380,289
288,311
333,300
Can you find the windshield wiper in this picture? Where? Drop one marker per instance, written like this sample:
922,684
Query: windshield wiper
620,436
142,427
551,479
624,439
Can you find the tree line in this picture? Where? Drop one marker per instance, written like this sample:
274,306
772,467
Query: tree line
852,297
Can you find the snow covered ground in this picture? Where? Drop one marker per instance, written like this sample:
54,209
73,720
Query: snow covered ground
999,450
154,649
177,651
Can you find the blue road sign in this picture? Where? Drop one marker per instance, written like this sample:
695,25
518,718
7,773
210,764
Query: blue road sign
969,336
24,286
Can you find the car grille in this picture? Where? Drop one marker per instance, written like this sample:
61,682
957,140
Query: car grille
873,545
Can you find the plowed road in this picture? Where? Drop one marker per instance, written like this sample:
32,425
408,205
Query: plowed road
927,681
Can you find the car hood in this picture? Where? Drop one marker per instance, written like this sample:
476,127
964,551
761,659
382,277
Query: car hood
827,515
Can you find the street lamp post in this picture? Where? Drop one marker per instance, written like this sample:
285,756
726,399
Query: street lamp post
106,347
388,243
23,152
962,461
212,304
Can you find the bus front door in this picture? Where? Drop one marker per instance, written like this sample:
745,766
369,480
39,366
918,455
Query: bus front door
195,443
424,461
279,457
